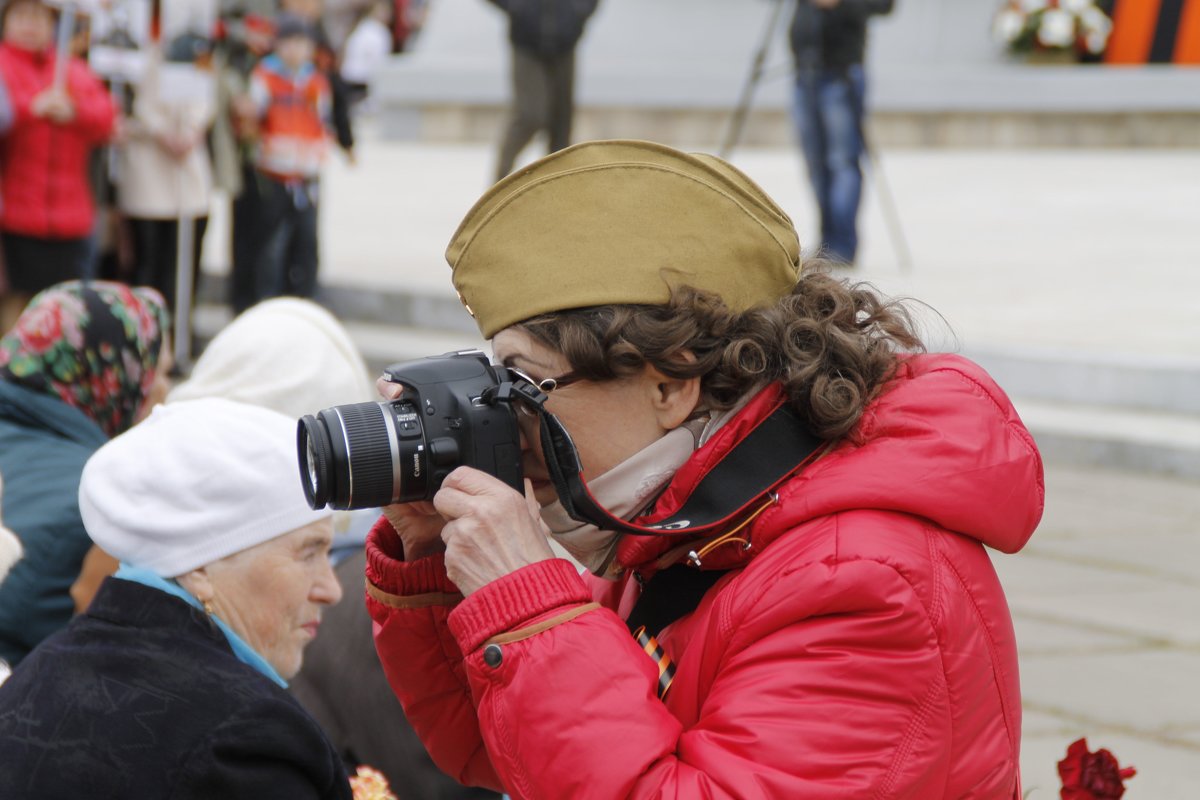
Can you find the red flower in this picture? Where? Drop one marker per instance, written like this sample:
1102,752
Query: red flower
1091,776
40,328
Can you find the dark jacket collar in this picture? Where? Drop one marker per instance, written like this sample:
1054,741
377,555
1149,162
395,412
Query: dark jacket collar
132,604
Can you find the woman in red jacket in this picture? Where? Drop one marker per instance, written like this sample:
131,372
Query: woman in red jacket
46,207
842,635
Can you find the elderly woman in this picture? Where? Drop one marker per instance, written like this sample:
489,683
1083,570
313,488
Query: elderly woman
842,634
174,677
83,363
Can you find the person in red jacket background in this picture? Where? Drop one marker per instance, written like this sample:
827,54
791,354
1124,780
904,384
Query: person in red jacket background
841,634
47,208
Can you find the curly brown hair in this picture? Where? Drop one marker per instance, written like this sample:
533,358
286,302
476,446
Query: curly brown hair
831,343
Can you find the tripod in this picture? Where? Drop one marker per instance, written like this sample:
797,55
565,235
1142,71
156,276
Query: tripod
737,123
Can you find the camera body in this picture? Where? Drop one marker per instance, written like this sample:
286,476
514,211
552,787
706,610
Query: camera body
450,413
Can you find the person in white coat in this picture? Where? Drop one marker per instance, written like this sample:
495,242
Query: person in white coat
165,170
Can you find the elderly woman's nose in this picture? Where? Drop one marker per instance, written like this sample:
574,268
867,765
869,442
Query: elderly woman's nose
327,589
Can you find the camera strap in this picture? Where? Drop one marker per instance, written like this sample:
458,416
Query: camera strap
778,447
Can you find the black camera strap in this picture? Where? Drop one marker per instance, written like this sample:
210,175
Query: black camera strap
774,450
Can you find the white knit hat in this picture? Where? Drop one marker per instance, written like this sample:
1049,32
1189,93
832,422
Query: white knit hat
10,545
193,483
287,354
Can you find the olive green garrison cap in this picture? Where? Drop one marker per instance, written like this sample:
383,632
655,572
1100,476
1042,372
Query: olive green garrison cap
613,222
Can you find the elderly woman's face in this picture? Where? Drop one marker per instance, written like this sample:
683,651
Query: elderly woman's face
609,421
272,594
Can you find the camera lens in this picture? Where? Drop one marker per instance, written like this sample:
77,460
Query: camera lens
362,455
316,455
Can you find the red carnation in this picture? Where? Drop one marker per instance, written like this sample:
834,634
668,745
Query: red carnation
1091,776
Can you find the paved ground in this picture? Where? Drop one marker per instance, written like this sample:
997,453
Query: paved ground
1093,251
1105,599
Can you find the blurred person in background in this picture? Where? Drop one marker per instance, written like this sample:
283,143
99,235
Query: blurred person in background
46,206
543,35
367,50
176,673
828,39
166,173
83,364
408,20
327,57
243,37
291,102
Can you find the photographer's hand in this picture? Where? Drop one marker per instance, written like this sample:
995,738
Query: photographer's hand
491,530
419,526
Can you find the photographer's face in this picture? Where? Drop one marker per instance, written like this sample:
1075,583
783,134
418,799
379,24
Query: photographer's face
608,420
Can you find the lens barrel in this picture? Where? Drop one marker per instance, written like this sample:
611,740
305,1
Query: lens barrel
362,455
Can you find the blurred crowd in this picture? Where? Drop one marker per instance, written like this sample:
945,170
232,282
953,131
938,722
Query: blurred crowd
106,180
108,163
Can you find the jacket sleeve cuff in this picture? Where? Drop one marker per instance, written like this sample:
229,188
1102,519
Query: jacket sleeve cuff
515,600
387,569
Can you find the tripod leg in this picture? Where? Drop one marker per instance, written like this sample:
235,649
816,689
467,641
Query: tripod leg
738,121
887,202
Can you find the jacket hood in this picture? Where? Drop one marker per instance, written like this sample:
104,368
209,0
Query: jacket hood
942,442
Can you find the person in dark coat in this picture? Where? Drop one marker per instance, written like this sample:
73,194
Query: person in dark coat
172,684
543,34
82,364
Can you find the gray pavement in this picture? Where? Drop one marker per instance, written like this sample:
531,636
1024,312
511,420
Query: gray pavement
1090,260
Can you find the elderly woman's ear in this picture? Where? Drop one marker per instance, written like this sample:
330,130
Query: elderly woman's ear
198,584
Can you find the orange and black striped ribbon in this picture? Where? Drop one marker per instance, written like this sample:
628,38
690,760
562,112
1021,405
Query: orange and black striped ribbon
1155,32
666,670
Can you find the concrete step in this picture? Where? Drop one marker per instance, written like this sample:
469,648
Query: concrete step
1161,383
1141,441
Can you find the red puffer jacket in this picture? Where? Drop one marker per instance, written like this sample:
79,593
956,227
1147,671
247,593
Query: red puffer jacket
860,648
44,165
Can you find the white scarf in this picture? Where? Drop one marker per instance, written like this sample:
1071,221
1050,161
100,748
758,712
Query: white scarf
627,489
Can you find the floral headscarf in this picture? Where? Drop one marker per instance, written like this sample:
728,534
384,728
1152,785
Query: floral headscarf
93,345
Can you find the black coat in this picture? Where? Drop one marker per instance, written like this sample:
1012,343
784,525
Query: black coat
142,697
833,38
546,28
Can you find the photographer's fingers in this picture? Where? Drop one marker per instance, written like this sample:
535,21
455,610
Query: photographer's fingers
388,390
457,496
493,531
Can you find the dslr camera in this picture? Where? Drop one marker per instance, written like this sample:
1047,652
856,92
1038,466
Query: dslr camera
455,410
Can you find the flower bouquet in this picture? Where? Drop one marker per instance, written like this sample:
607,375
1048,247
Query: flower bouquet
1071,28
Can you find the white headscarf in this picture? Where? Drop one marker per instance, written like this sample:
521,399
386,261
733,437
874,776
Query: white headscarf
286,354
194,482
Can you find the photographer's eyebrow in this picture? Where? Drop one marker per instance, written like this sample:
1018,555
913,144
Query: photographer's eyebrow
511,361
